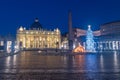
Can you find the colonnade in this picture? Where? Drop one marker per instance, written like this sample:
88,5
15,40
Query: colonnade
107,45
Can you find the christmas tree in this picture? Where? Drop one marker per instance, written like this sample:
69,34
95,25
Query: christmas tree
90,47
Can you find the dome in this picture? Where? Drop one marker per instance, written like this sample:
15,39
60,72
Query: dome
36,25
21,28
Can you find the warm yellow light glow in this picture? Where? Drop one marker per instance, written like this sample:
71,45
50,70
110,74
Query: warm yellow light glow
21,28
79,49
38,38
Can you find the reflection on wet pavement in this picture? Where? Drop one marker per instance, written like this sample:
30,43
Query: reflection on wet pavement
32,66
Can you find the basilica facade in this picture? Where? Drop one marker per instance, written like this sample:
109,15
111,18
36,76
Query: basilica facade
37,37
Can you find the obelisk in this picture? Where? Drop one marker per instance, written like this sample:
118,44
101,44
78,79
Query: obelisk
70,31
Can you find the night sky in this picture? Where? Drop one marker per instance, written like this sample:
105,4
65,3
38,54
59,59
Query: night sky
54,13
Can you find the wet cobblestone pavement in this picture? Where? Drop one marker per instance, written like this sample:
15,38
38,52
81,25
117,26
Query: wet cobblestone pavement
57,76
30,66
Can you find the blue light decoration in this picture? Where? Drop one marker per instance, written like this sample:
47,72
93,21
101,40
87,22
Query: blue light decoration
90,47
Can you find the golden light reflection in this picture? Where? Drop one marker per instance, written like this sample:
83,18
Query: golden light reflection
8,61
79,61
14,60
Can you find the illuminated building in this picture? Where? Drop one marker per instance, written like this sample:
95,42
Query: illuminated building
2,43
8,44
110,36
64,41
106,39
64,44
37,37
